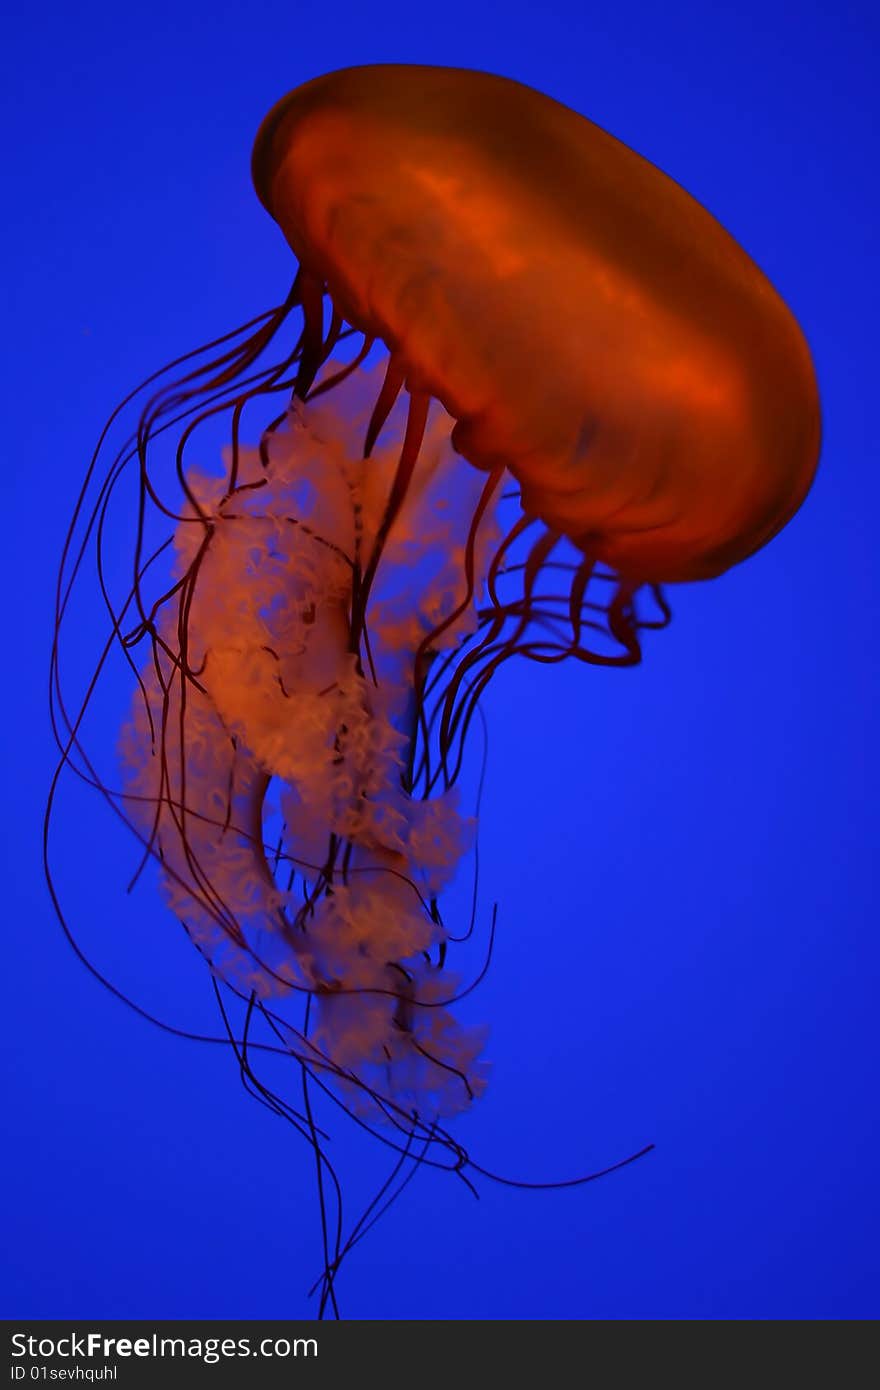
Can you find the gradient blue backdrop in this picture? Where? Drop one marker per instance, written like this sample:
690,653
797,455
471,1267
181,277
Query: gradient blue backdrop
684,855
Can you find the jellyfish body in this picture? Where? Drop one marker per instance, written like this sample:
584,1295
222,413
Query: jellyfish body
570,338
585,321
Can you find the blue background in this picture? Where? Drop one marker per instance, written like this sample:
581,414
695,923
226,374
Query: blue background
684,855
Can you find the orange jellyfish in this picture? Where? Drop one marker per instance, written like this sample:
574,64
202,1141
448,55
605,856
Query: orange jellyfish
586,390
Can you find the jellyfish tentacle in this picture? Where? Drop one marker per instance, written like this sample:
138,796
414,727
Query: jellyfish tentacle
518,528
426,647
579,585
311,291
337,377
417,419
395,377
622,621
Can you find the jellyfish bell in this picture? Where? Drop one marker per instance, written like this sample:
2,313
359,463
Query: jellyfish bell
583,319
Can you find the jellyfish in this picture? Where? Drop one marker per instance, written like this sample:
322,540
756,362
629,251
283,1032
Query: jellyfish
521,382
